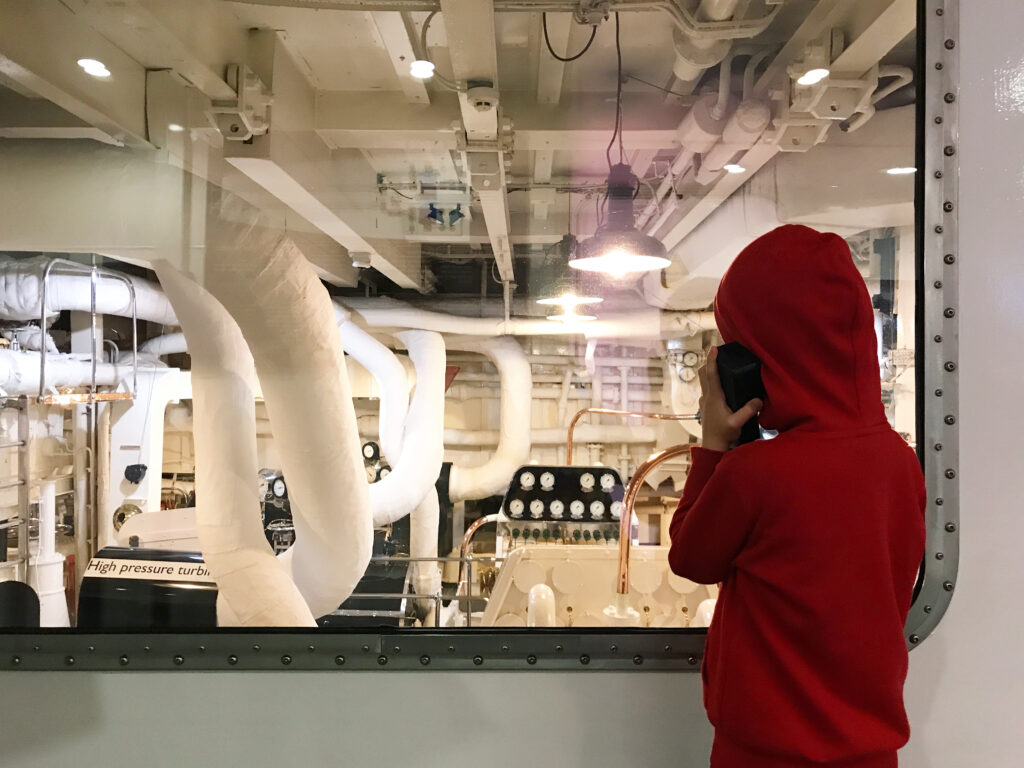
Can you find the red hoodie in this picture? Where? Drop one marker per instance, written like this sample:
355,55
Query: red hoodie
816,535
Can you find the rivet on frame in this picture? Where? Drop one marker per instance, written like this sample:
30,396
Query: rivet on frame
937,283
531,659
232,659
927,609
949,150
950,419
478,660
123,661
949,312
938,65
938,119
950,366
950,474
950,45
915,639
948,586
339,659
286,659
938,446
179,660
939,501
584,659
16,660
939,11
382,660
939,556
949,258
638,659
424,660
938,393
938,174
938,338
938,229
69,660
691,660
947,206
950,527
949,98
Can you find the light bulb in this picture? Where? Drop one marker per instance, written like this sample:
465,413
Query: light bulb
813,76
421,69
619,263
94,68
901,171
734,168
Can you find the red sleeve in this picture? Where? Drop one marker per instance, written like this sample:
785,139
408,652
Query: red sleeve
712,521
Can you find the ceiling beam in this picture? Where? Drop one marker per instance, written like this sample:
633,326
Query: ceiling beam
473,48
334,191
40,43
397,40
551,71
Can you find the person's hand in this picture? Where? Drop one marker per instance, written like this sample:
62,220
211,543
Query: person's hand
721,427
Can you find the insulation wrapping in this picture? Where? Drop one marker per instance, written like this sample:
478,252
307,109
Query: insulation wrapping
288,321
514,431
423,525
46,571
21,292
391,380
254,588
414,475
19,372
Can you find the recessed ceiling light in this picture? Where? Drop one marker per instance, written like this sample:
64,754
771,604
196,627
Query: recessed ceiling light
421,69
175,128
734,168
94,68
813,76
901,171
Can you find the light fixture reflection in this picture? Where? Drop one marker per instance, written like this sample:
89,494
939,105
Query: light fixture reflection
568,300
94,68
734,168
813,76
421,69
901,171
619,262
569,318
175,128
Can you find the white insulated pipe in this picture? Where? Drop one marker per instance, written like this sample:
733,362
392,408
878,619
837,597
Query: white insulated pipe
288,321
21,291
168,344
423,525
414,475
19,372
540,606
645,323
584,433
255,589
389,373
694,55
46,568
513,448
741,132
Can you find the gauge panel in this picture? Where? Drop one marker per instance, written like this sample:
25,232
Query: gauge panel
569,494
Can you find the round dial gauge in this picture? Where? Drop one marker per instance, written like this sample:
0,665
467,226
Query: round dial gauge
616,509
384,472
547,481
370,451
279,488
587,481
607,482
688,374
536,508
516,507
597,509
576,509
527,480
690,359
557,509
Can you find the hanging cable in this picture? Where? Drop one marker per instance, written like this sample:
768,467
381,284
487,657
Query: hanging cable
565,59
617,130
425,54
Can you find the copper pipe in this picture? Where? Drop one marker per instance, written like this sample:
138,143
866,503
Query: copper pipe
468,538
613,412
632,491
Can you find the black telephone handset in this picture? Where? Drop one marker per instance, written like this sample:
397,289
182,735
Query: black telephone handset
740,374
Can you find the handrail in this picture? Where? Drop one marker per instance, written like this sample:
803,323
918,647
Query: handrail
94,272
468,539
614,412
632,490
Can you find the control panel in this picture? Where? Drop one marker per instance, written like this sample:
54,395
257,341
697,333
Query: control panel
562,505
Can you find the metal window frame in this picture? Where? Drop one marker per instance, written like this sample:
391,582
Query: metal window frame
599,649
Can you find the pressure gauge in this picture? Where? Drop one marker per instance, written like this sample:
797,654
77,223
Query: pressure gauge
536,508
576,509
587,481
279,488
371,452
597,509
616,510
688,374
516,507
557,509
690,359
384,472
527,480
547,481
607,482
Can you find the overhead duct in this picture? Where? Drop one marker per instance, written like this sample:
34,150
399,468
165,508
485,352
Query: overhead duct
21,292
255,589
391,380
644,323
413,476
287,318
514,441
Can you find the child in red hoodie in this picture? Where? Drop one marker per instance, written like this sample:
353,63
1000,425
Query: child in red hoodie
816,535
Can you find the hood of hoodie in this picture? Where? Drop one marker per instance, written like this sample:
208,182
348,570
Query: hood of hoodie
794,298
